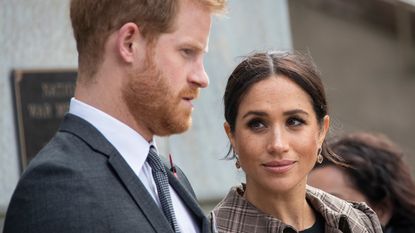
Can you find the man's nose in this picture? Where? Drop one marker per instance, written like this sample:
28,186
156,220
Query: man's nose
199,76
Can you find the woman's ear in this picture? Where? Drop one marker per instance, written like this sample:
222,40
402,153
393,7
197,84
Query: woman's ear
324,129
229,133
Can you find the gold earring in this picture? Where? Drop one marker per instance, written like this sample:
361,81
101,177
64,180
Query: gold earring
320,157
237,164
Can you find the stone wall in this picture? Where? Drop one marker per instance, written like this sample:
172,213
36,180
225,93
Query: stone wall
368,85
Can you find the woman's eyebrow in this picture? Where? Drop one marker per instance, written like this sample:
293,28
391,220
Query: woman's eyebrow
255,113
295,111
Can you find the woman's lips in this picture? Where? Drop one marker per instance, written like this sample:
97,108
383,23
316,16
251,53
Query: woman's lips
279,167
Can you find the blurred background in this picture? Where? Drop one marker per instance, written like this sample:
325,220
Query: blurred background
365,50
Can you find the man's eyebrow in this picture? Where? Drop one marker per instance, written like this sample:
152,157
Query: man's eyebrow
195,45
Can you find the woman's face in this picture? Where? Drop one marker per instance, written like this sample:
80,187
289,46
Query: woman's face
276,135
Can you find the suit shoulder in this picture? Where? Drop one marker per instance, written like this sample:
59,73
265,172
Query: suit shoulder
54,189
65,150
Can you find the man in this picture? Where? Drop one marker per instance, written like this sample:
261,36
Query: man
140,68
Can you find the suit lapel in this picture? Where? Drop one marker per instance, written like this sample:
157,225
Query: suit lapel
88,133
140,194
190,202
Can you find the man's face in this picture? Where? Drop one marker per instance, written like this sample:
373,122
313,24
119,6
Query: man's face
160,97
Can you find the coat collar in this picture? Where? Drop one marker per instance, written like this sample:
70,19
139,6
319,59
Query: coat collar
90,135
339,215
87,133
342,215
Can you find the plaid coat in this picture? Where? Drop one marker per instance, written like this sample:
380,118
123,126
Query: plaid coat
234,214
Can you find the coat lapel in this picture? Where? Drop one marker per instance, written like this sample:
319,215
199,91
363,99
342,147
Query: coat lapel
140,194
88,133
190,202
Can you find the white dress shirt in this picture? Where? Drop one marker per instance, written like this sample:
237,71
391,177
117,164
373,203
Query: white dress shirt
134,149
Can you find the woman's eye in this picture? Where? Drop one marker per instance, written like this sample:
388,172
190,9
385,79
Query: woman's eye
295,122
256,125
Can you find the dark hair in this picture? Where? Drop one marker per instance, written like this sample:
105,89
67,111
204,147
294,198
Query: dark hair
377,169
262,65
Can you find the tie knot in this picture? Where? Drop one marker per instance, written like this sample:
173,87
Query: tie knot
154,160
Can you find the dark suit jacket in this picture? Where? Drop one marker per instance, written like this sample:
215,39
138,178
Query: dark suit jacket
80,183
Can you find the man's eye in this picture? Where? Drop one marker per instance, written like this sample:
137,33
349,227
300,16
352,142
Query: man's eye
187,52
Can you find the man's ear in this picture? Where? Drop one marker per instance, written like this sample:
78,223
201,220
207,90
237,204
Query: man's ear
129,38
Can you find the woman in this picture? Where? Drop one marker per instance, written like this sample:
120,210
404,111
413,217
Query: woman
276,120
377,175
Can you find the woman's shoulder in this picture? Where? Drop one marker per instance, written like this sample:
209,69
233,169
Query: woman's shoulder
235,214
233,202
339,213
223,215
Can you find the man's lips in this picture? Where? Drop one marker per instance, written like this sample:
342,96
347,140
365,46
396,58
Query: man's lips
189,95
189,100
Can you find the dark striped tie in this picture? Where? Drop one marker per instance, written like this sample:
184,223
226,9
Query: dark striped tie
162,183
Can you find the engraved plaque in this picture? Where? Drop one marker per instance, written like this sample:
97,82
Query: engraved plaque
41,99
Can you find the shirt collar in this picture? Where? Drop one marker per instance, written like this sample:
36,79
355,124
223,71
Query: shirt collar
129,143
